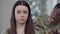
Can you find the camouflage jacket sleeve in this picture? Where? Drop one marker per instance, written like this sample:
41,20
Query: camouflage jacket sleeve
41,25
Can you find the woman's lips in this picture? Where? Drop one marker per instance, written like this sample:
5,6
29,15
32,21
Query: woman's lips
22,19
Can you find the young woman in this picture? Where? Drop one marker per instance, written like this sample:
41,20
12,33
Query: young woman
21,20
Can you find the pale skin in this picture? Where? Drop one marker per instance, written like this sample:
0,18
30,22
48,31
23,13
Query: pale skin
21,16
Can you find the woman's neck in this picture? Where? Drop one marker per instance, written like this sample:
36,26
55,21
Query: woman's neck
19,25
20,28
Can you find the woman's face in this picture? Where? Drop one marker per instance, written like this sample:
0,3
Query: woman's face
21,14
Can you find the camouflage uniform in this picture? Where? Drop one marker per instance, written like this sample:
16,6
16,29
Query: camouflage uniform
54,27
42,25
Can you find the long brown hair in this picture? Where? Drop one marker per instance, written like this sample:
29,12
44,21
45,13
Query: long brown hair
29,24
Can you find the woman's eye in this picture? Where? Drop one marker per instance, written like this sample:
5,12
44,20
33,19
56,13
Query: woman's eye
18,11
25,12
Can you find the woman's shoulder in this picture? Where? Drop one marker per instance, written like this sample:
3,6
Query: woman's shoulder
6,31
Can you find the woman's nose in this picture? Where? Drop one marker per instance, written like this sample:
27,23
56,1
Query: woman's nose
21,15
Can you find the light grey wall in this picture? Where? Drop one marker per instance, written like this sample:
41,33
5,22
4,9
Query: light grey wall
5,13
58,1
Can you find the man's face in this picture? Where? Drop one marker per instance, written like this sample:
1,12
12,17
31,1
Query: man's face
55,16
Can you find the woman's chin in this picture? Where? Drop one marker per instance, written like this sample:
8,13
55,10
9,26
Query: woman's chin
22,22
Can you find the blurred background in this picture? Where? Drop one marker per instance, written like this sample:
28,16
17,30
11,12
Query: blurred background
39,8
